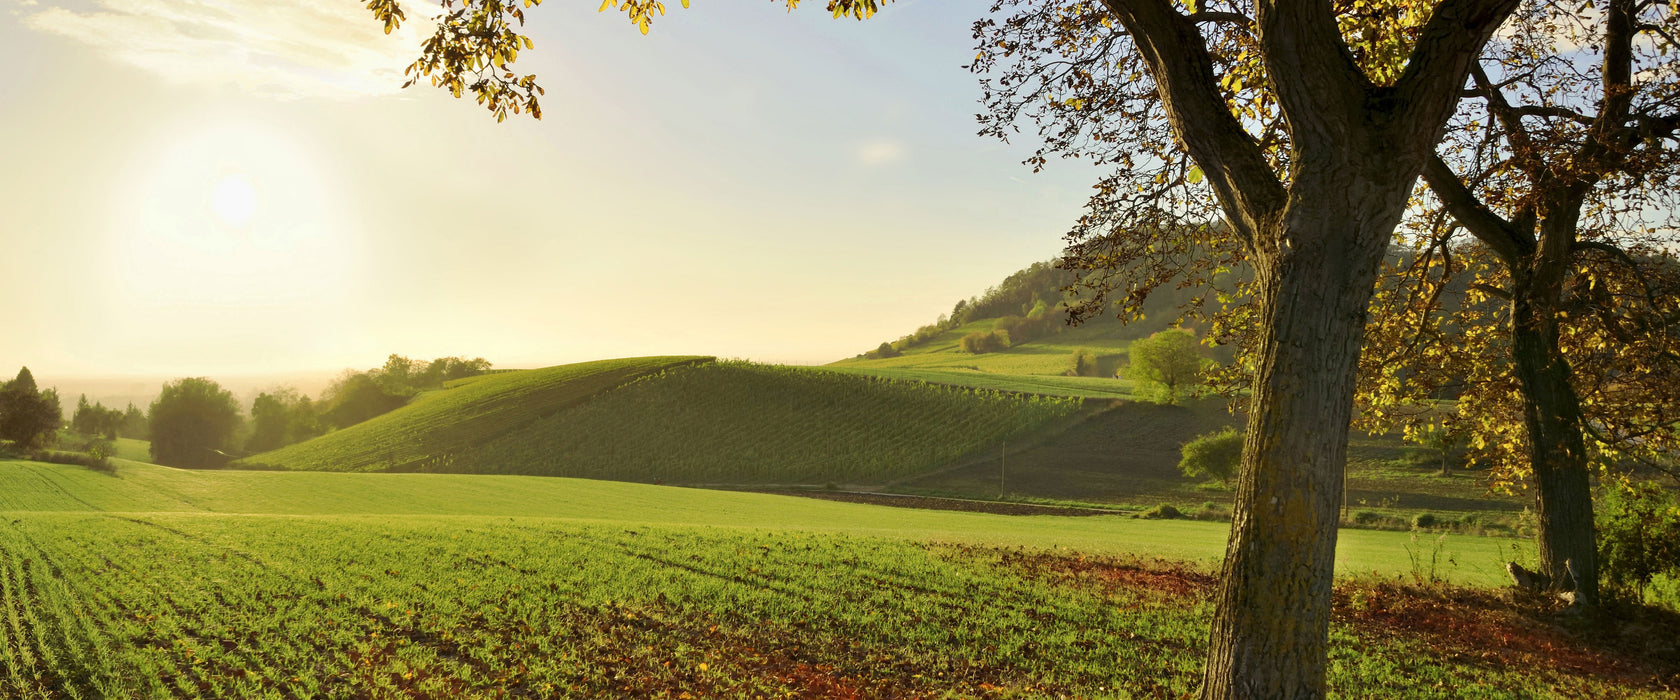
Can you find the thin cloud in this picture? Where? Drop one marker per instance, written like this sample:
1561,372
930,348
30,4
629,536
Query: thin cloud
302,48
879,152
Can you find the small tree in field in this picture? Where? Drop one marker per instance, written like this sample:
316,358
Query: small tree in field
1214,455
1170,360
191,422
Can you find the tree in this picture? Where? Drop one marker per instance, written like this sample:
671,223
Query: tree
1171,360
356,397
133,424
1215,455
1303,127
192,421
28,417
1566,337
281,417
95,419
1307,131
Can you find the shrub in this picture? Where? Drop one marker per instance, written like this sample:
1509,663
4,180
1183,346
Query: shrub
1424,521
1367,517
1214,455
1083,363
1164,511
1638,536
980,342
885,350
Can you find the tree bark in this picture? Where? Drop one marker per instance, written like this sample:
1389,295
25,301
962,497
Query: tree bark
1270,628
1557,448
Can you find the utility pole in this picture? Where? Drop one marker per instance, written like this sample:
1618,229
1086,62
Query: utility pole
1003,461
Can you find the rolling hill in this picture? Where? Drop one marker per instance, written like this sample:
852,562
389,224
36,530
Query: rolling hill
683,420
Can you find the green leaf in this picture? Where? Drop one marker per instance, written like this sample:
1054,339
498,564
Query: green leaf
1195,175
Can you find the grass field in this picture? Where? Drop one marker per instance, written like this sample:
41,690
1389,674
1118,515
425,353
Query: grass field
1046,356
155,582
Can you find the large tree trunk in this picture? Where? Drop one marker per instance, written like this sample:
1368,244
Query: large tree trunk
1271,625
1552,412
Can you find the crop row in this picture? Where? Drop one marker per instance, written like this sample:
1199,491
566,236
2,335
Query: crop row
344,607
739,423
358,606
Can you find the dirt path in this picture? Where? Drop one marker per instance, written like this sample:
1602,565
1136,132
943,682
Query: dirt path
936,503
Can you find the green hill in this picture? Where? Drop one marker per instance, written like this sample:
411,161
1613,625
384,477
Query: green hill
683,421
469,413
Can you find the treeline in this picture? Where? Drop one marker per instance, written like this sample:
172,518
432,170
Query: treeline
197,423
285,416
109,423
1029,305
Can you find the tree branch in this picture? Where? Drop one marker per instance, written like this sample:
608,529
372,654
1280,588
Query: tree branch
1236,18
1428,90
1509,243
1179,60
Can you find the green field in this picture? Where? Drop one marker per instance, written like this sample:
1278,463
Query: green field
1047,356
698,422
155,582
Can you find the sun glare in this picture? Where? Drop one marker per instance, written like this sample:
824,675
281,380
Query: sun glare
234,200
235,212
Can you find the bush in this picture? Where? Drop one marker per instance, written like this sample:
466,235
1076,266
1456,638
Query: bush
1638,536
1162,512
980,342
81,459
1367,517
1214,455
1424,521
885,350
1083,363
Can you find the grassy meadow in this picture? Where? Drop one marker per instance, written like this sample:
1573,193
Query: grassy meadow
1046,356
156,582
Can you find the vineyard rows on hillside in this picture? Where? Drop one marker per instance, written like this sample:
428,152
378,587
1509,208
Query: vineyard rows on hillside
736,422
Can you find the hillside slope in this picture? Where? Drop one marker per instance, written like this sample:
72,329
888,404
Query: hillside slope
449,420
742,423
682,420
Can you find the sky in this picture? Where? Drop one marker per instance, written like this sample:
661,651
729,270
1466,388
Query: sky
240,187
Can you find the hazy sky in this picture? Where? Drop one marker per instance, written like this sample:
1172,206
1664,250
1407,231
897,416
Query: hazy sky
205,187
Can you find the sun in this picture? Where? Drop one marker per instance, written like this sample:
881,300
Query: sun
234,200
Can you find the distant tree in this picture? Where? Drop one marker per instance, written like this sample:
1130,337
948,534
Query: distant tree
884,350
356,397
95,419
192,421
28,417
398,374
1214,455
1170,360
133,425
281,417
